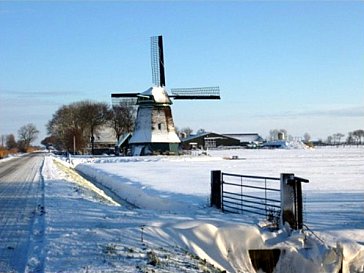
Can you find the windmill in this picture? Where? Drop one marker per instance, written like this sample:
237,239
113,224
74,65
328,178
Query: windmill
154,130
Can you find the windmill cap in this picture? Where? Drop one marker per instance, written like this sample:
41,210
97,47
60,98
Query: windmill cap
159,95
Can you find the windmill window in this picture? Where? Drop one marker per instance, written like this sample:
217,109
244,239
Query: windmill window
159,126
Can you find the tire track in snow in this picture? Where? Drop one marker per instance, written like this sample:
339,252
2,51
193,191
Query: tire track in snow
36,255
19,195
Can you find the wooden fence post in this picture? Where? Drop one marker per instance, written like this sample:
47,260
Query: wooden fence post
215,197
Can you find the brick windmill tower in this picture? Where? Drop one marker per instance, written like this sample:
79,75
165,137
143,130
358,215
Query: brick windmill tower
154,131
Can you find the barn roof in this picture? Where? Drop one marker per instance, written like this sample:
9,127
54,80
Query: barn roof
209,135
246,138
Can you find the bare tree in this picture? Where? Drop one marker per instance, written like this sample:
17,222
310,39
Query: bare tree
185,132
10,142
52,141
337,137
122,119
306,137
358,135
350,139
26,135
94,115
76,124
68,127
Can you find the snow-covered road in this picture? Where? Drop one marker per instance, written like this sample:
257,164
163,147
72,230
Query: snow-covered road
21,209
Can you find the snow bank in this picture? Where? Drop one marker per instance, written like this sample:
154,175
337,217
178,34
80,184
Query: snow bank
227,246
133,192
283,144
159,183
11,156
333,204
224,244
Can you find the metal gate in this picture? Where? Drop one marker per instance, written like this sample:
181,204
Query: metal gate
251,194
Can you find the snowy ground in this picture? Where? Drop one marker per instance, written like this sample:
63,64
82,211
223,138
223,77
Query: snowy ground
81,229
19,200
88,232
178,189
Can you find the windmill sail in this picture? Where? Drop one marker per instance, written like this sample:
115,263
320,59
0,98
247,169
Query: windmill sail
124,98
199,93
157,59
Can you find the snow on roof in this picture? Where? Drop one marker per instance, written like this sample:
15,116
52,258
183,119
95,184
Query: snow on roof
159,94
250,137
195,136
240,137
105,135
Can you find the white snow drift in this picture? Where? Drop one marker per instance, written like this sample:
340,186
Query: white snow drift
175,193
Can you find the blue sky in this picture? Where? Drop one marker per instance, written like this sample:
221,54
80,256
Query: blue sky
292,65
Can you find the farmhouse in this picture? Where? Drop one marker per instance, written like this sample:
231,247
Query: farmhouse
104,142
248,140
214,140
208,140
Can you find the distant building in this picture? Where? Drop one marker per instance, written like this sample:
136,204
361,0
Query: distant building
104,142
247,140
208,140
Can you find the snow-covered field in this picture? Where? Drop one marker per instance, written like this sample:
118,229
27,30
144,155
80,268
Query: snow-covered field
79,228
173,195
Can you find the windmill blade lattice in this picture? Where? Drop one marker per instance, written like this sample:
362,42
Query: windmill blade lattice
157,60
124,98
202,93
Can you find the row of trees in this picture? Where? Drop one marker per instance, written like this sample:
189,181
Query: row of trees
27,134
74,126
353,138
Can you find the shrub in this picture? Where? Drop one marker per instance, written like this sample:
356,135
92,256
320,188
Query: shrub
3,153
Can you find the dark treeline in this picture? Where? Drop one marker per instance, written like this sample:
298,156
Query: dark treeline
73,127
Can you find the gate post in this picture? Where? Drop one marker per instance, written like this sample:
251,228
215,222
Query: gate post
215,197
287,200
291,200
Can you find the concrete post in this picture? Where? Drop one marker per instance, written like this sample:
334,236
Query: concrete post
216,183
291,200
288,200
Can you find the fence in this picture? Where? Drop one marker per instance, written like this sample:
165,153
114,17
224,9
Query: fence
251,194
278,199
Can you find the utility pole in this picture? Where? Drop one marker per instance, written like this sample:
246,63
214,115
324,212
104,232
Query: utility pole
2,140
74,144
